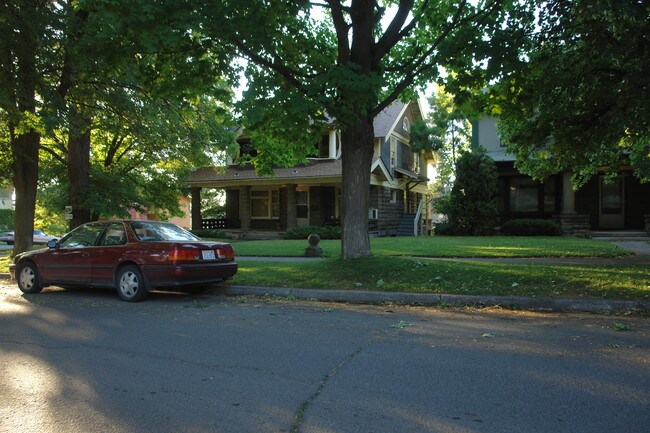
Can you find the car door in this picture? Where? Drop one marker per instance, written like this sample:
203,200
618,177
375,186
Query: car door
108,253
71,260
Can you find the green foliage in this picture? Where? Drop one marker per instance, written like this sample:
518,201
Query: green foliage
451,131
325,232
210,233
213,203
582,101
6,219
422,138
472,202
531,227
445,229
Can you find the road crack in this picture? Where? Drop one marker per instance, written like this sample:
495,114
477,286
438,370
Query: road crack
300,413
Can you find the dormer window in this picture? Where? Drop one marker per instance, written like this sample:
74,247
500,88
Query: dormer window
406,125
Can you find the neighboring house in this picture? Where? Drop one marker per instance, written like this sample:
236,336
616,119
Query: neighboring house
623,204
310,194
6,200
184,221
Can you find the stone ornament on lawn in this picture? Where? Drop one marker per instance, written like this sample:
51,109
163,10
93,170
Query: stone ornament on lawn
313,250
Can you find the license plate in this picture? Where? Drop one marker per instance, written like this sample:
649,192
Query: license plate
208,255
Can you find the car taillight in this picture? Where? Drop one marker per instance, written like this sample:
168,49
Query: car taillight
184,254
226,253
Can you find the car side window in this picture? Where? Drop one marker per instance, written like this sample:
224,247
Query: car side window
83,236
114,235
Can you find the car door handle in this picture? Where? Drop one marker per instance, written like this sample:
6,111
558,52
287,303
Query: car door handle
85,254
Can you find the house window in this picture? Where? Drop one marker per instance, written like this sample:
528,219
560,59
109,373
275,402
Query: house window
265,204
393,196
322,148
549,195
406,125
416,162
393,155
524,195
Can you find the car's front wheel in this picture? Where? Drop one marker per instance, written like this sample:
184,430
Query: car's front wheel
130,284
27,276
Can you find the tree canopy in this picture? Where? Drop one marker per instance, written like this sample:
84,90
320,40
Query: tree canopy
120,100
581,100
311,62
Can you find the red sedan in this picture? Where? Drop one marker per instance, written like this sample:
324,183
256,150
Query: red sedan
134,257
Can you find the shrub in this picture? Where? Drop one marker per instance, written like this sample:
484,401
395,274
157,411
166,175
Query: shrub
444,229
210,233
472,206
6,219
325,232
531,227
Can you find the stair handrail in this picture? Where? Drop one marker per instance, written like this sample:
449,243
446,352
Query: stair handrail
416,220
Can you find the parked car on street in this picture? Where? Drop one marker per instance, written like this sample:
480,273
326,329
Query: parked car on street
40,237
134,257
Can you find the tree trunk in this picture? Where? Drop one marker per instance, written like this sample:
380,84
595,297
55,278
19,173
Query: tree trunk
25,151
79,166
24,144
357,150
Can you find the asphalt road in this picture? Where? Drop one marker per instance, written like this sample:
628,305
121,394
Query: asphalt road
83,361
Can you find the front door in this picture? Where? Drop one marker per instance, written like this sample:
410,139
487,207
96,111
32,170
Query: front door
302,207
612,204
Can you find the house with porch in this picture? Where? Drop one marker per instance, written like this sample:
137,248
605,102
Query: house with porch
620,205
310,194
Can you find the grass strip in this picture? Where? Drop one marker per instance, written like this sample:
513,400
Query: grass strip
631,282
446,246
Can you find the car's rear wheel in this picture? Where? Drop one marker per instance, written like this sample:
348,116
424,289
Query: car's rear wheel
130,284
27,276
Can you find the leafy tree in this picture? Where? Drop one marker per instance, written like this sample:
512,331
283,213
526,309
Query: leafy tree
24,57
88,77
335,59
452,134
472,206
582,100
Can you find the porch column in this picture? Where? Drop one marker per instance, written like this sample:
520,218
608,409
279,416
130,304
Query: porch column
292,215
245,207
332,143
568,195
196,208
572,224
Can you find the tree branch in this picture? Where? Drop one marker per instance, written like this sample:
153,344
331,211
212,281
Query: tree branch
342,28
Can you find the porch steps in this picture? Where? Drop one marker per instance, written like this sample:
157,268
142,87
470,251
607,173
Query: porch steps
621,235
405,227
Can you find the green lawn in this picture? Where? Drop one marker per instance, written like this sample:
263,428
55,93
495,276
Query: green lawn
429,276
446,246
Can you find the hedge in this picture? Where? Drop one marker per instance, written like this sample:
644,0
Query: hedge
531,227
210,233
325,232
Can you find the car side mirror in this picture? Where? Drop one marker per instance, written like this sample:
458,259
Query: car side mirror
53,243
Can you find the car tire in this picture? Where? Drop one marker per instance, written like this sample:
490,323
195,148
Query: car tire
130,284
27,278
10,242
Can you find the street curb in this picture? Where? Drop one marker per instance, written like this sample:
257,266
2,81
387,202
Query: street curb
374,297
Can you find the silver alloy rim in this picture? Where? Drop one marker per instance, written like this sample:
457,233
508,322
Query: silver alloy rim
129,284
27,278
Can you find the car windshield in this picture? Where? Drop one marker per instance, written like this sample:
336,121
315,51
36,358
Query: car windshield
148,231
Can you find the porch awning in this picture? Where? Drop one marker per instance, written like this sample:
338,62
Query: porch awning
314,171
411,174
